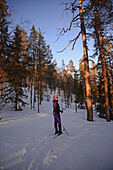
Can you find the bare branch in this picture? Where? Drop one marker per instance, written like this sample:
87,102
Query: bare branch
107,39
82,59
74,40
92,35
63,30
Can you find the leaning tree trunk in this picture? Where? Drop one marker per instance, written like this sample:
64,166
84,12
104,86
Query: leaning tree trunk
86,67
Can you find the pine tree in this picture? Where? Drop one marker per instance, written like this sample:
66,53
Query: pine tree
16,69
70,75
55,75
100,15
86,65
4,45
76,85
94,82
40,54
48,68
63,70
32,53
81,84
43,63
109,65
26,59
78,21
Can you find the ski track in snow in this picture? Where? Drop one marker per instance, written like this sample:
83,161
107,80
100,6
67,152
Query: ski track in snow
27,142
16,157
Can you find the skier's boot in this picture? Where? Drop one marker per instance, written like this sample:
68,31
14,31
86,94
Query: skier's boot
60,130
56,130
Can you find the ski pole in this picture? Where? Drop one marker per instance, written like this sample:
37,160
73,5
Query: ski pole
65,129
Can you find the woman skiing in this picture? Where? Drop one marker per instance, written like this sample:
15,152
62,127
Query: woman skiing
56,113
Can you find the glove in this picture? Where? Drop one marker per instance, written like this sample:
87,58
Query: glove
61,111
54,114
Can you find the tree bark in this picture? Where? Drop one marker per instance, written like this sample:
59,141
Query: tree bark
104,74
86,67
31,88
37,80
16,97
100,42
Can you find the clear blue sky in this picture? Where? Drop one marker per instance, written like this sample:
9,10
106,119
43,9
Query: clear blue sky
47,14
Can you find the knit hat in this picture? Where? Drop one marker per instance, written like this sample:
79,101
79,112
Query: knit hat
55,97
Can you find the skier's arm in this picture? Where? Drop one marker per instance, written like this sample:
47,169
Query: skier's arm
54,108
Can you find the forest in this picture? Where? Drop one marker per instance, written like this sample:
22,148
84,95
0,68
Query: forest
27,62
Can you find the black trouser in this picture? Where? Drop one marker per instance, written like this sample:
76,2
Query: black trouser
56,129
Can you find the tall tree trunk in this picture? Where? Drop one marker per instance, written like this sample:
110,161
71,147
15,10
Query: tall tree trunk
2,77
34,99
16,97
37,79
104,74
100,42
31,88
61,98
86,67
38,102
1,84
34,83
70,91
38,94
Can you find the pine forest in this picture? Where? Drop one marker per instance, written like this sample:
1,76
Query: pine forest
28,65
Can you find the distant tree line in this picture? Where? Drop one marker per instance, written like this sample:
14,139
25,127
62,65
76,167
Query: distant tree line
26,62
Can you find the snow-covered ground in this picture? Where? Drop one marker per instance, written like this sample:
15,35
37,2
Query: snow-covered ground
27,141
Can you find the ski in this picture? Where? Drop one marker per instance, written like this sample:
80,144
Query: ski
57,135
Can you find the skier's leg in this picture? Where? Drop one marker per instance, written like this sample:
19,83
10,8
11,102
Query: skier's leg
55,125
59,124
56,130
60,129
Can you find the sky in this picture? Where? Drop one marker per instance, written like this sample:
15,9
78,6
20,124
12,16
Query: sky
48,14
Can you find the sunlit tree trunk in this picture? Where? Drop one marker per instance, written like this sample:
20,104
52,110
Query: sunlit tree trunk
37,80
103,60
38,102
61,98
86,67
31,89
104,74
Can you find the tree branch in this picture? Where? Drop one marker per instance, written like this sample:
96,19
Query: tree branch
92,35
63,30
74,40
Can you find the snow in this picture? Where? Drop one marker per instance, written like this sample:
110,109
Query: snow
27,141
